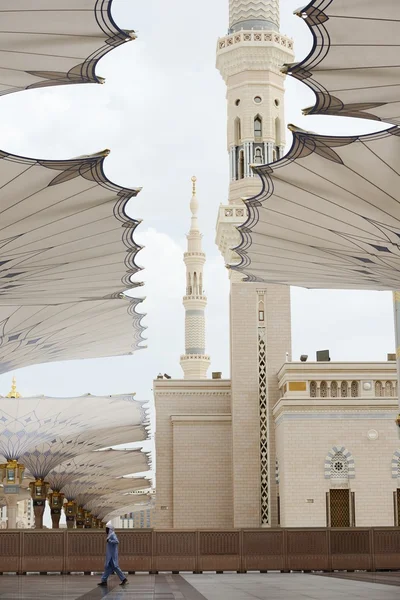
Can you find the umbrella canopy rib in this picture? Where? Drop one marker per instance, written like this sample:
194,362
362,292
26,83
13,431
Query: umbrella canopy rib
328,215
67,255
55,42
353,67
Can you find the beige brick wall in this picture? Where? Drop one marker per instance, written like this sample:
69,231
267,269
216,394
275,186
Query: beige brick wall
174,399
302,445
245,396
202,473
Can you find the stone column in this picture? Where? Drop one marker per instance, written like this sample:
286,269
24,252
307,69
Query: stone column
39,489
70,509
38,511
80,518
12,511
55,518
56,500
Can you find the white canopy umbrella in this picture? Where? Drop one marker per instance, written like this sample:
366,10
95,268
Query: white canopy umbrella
98,464
67,256
41,430
328,215
353,66
55,42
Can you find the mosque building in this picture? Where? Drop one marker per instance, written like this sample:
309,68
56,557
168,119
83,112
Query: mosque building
281,443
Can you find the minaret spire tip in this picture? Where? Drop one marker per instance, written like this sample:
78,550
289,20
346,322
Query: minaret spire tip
194,204
14,393
194,180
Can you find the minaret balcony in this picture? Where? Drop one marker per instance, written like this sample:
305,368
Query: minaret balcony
194,258
251,37
253,50
195,302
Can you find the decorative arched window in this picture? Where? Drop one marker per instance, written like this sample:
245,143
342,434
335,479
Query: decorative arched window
339,469
339,464
354,389
323,389
313,389
274,155
195,288
378,389
261,311
238,131
241,165
343,389
258,127
189,289
334,389
258,157
388,389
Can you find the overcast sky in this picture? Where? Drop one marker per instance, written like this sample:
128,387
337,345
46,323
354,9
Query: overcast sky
162,113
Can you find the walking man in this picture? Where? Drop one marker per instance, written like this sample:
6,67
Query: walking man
112,565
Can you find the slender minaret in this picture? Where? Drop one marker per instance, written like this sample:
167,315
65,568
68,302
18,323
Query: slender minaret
194,362
250,59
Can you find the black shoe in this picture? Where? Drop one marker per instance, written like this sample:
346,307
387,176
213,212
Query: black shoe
103,583
124,582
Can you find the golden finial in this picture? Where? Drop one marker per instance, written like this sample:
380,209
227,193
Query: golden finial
14,393
194,179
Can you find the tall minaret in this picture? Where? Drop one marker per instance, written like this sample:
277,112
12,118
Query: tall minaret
250,59
194,362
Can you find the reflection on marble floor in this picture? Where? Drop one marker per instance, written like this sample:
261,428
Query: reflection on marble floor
256,586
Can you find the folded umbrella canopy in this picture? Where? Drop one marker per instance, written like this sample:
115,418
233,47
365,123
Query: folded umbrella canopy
353,67
55,42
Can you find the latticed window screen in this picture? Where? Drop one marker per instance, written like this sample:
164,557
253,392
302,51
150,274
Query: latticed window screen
279,509
378,389
343,389
339,466
339,508
396,499
264,450
388,389
323,389
313,389
334,389
354,389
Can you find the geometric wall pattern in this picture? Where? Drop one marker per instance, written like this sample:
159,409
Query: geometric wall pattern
342,453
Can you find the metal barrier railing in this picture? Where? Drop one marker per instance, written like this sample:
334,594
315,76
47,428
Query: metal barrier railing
67,551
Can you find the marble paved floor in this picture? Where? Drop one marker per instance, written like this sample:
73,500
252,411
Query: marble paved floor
270,586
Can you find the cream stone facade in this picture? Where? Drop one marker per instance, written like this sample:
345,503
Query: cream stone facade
281,443
194,454
325,407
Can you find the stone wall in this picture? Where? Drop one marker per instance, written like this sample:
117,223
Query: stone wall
193,454
309,429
